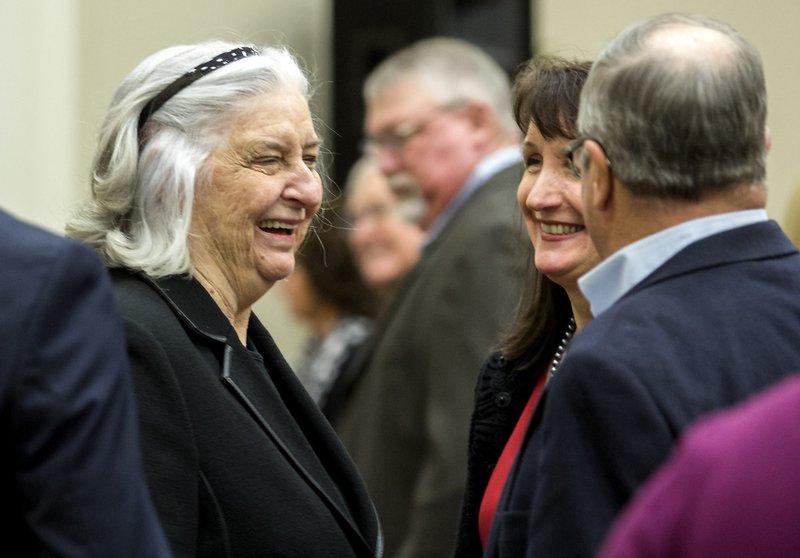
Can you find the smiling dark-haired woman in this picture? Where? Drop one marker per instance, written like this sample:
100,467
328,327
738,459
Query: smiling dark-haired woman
545,94
204,185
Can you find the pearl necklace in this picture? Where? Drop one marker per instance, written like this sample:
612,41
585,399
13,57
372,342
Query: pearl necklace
562,347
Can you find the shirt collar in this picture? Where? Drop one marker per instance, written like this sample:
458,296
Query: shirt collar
485,169
620,272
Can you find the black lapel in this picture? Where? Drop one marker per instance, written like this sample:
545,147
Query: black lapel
192,303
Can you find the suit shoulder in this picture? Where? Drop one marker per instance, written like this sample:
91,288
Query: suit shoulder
34,246
491,216
39,266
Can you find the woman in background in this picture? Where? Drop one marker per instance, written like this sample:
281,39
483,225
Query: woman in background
384,219
326,292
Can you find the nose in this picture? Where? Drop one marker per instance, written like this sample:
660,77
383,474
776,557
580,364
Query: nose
304,186
543,191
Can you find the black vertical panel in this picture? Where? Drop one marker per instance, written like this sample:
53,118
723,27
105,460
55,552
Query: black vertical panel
366,31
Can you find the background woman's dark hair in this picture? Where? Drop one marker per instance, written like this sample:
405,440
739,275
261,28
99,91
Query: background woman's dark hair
546,92
328,261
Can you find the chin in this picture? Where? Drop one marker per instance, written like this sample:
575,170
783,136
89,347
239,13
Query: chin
275,272
556,273
550,266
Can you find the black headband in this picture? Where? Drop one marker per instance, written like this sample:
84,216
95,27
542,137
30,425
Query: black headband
190,77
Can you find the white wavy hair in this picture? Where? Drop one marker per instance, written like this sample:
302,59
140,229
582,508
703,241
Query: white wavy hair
142,187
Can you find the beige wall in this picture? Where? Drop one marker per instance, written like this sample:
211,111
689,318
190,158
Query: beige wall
63,58
38,122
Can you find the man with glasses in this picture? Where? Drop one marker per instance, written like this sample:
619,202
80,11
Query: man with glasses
697,302
438,112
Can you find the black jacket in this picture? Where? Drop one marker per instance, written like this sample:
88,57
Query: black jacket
239,459
500,397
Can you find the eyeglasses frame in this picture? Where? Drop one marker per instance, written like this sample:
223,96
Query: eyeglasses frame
397,139
574,146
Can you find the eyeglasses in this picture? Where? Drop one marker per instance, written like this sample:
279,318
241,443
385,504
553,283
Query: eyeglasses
575,152
395,139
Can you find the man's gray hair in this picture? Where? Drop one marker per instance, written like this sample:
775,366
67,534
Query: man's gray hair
143,187
452,71
678,122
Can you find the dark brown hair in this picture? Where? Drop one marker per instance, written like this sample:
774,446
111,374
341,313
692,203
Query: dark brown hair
546,92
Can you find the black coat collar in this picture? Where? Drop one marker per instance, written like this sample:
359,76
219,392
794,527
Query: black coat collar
195,307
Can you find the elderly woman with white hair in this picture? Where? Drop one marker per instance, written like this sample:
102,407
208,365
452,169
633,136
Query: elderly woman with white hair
204,185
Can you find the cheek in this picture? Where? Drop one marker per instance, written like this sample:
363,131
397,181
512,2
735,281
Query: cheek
415,162
430,156
523,191
391,231
575,196
302,232
586,208
217,219
316,195
232,204
360,235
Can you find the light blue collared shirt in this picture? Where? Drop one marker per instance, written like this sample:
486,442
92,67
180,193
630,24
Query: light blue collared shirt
488,166
620,272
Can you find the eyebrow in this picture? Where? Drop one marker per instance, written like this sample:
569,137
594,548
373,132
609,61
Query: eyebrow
270,144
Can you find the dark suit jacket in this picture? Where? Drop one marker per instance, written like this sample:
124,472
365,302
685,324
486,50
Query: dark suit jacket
717,322
240,461
71,481
407,421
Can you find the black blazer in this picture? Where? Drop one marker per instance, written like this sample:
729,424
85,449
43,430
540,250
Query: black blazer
239,459
716,323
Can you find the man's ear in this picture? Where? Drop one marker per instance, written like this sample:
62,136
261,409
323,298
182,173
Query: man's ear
767,139
597,177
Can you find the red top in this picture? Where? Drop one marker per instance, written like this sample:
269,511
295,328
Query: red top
491,497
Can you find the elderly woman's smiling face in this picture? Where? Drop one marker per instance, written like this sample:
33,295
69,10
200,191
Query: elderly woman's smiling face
264,190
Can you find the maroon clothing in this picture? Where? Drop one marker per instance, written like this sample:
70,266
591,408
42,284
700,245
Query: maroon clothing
497,480
732,488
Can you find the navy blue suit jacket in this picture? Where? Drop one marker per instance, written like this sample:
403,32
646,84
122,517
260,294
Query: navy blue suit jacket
71,482
717,322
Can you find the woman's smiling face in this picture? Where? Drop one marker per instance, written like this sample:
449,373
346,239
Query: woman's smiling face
249,219
549,196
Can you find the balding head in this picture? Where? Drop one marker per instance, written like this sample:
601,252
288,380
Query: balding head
679,104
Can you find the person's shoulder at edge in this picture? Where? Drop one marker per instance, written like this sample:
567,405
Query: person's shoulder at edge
738,458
